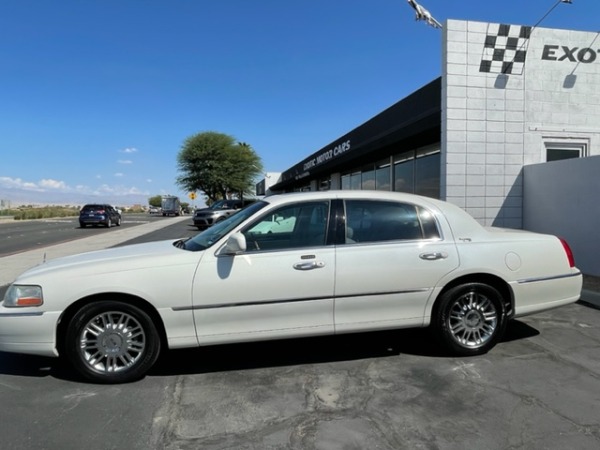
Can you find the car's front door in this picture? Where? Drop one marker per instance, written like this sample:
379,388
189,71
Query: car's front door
393,257
281,286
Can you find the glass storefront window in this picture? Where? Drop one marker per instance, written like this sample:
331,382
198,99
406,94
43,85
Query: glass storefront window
355,181
368,180
404,175
345,185
428,175
415,172
383,178
324,184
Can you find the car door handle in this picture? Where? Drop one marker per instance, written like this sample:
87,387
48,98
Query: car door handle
309,265
433,256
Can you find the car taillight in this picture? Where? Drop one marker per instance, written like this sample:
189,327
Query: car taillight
568,251
100,211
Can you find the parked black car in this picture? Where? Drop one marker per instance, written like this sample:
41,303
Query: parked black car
99,214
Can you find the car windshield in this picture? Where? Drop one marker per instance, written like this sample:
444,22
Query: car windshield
213,234
222,204
90,208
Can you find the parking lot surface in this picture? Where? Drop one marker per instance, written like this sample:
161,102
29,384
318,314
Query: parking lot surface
540,388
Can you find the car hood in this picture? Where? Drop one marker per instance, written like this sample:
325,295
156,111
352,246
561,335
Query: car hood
129,257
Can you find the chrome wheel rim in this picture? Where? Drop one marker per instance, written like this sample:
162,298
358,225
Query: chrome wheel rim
112,342
472,320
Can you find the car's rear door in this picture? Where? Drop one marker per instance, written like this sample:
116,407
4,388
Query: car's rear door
281,286
393,257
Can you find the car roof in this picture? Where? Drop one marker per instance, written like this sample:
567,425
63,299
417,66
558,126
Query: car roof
459,218
353,194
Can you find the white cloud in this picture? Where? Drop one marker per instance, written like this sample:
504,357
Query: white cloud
53,184
149,180
129,150
119,174
18,183
125,161
105,189
50,191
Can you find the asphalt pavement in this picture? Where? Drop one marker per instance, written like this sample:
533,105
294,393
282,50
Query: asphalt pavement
13,265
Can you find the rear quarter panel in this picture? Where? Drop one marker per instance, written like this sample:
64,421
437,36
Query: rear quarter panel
534,266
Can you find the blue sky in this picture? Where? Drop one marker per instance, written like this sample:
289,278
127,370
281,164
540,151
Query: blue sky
97,96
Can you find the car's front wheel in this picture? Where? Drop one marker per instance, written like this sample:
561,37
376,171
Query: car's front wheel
112,342
470,318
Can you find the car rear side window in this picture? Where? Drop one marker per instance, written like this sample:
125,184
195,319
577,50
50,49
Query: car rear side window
378,221
428,224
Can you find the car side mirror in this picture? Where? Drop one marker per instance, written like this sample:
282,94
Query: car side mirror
235,245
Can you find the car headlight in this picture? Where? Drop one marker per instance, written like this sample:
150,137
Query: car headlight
23,295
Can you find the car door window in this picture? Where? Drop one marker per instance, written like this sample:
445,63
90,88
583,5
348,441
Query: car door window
377,221
292,226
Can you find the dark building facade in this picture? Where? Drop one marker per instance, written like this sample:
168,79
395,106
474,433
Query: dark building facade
399,149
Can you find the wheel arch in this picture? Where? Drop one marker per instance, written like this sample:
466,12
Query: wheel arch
494,281
139,302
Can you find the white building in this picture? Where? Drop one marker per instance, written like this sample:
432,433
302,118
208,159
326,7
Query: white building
513,96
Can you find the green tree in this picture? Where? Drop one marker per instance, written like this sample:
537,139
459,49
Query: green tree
155,201
214,163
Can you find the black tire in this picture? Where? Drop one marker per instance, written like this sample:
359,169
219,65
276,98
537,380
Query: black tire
82,225
108,223
118,222
111,342
470,319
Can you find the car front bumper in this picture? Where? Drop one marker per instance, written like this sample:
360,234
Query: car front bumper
28,332
203,221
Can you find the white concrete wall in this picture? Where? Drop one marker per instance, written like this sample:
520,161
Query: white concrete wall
494,123
563,198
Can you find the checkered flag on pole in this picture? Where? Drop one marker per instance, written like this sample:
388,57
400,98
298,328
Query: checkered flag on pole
505,49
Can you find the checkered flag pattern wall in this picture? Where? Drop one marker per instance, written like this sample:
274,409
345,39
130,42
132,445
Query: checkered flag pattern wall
505,49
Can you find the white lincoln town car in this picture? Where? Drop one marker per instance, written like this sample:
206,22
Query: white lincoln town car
290,265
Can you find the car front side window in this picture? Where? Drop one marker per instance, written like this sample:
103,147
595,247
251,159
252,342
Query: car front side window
292,226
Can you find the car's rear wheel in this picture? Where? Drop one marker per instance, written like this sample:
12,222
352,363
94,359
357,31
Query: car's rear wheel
118,222
470,318
108,223
112,342
82,225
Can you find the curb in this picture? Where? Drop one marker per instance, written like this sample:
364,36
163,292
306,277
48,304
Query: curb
590,297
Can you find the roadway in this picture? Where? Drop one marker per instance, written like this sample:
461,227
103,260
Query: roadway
19,236
538,388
